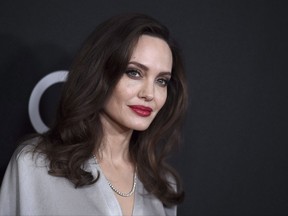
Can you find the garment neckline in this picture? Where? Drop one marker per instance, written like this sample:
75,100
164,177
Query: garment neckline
110,193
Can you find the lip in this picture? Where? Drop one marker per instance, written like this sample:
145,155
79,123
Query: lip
140,110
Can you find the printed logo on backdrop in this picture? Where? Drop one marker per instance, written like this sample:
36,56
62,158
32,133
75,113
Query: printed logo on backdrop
37,93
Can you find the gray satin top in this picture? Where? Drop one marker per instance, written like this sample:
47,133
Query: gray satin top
27,189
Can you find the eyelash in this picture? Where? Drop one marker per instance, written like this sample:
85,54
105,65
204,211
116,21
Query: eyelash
163,82
130,72
136,74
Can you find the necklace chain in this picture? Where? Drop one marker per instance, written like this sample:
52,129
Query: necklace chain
116,190
121,193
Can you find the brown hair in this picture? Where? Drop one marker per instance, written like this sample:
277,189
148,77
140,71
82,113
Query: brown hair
77,132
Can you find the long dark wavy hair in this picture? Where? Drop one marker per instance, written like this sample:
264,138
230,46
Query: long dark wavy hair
77,132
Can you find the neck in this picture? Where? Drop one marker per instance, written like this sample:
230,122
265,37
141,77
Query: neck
115,145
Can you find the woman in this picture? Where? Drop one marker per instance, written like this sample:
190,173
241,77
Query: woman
118,118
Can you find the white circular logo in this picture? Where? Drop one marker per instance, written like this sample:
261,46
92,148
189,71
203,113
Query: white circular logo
34,101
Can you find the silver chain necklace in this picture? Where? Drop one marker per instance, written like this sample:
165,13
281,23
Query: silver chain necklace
116,190
121,193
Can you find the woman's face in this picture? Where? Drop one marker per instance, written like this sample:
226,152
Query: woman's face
142,90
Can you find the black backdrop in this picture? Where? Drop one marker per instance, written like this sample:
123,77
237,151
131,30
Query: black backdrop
234,154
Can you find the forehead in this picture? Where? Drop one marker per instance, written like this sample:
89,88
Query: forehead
153,51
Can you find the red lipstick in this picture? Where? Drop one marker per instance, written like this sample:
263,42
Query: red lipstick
141,110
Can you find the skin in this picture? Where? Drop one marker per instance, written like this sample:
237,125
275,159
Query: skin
144,83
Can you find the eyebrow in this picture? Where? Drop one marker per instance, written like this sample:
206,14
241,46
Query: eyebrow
145,68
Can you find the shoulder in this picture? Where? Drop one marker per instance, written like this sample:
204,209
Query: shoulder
26,154
172,181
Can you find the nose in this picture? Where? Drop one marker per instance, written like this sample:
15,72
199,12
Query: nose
147,91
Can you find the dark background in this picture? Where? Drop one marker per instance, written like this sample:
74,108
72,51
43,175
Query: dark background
234,154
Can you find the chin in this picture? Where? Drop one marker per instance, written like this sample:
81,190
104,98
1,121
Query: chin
138,124
140,127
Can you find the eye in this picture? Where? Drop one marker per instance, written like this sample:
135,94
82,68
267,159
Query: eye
163,81
133,73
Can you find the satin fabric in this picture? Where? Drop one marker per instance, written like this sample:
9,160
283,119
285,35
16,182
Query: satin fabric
27,189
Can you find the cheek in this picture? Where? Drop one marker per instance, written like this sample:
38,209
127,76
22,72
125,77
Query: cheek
121,95
161,98
125,88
